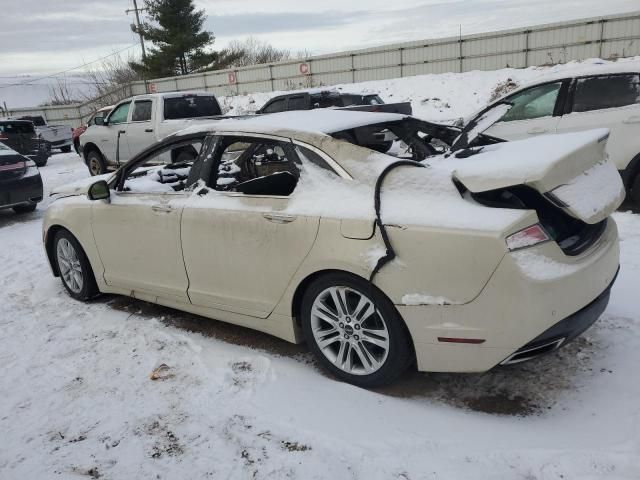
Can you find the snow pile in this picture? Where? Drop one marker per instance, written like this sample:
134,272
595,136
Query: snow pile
422,299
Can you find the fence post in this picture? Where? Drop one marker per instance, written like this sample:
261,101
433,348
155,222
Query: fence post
273,88
401,62
526,48
353,68
602,22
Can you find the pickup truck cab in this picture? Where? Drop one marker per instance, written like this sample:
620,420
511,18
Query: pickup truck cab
140,121
58,136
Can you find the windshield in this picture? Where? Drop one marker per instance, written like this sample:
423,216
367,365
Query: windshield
190,106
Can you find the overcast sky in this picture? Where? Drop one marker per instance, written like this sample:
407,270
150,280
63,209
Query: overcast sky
41,37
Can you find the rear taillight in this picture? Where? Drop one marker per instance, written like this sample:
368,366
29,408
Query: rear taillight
2,137
527,237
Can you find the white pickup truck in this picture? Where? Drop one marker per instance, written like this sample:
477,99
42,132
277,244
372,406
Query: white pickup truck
140,121
58,136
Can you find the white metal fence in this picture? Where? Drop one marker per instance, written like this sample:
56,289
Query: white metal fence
607,37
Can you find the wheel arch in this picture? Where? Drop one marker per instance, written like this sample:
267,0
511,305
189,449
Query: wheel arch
303,286
49,246
88,148
631,171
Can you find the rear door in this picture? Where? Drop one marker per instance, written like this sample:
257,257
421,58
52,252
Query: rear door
608,101
536,110
241,250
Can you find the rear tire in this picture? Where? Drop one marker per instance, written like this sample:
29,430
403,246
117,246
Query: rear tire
65,149
95,163
27,208
357,341
74,267
634,190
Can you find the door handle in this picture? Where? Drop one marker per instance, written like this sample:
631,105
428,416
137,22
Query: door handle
162,208
279,217
537,130
148,130
634,119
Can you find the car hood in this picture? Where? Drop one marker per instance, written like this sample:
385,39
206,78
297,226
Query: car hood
79,187
571,170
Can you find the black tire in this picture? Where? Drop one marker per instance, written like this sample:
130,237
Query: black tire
89,289
399,354
65,149
26,208
95,163
41,163
634,191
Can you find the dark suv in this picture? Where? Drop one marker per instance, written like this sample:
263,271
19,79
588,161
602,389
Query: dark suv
21,136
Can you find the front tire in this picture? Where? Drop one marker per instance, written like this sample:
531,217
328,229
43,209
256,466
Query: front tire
354,331
95,163
74,267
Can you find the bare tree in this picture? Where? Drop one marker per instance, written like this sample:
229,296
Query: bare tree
61,94
251,51
109,80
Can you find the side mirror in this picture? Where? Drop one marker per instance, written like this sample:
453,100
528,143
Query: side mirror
99,121
99,191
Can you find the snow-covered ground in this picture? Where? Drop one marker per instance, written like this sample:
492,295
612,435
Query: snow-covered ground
76,398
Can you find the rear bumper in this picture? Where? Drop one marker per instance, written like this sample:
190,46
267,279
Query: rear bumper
524,304
61,143
562,332
20,191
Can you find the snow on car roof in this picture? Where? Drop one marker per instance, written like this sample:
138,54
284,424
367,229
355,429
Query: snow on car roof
324,121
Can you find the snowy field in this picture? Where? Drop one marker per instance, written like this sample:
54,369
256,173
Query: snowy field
77,401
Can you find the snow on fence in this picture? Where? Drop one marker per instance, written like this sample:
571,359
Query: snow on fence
606,37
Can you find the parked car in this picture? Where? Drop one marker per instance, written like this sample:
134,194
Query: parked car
138,122
20,182
21,136
379,141
58,136
100,113
606,99
378,263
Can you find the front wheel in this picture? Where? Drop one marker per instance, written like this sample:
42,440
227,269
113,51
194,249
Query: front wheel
96,164
355,331
74,267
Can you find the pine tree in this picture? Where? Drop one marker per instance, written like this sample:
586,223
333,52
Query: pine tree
179,43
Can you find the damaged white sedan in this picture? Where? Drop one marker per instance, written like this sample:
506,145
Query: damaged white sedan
490,254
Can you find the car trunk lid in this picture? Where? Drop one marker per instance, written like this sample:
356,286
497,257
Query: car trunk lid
571,171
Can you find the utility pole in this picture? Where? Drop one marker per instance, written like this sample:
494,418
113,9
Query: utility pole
137,28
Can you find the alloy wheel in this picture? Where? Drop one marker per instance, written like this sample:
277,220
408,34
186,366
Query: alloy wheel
94,166
349,330
69,264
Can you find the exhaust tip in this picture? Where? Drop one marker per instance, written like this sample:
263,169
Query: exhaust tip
525,354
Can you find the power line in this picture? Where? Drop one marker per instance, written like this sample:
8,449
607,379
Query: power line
32,80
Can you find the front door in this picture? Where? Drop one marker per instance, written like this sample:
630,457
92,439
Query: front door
137,232
534,112
108,143
140,133
241,247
